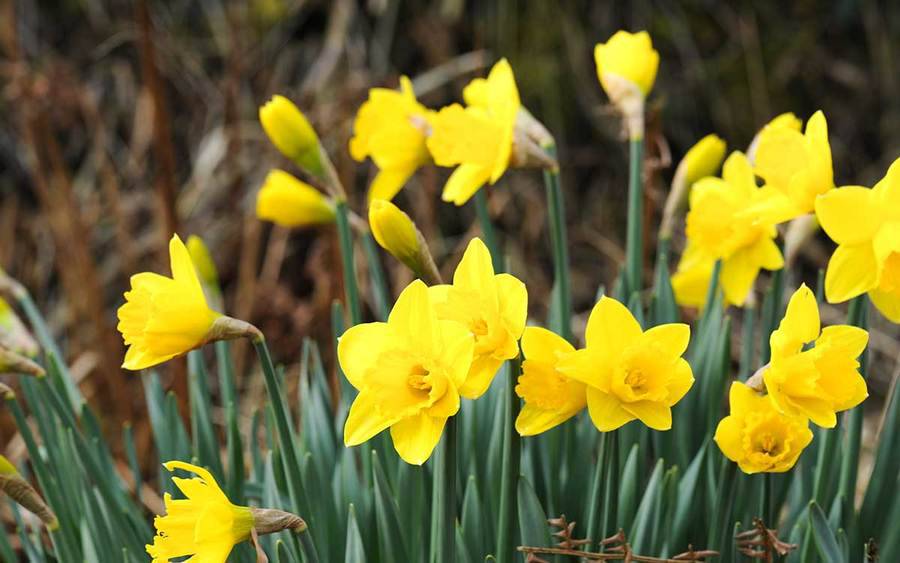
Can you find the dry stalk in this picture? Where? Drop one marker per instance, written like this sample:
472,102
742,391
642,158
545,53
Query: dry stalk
761,542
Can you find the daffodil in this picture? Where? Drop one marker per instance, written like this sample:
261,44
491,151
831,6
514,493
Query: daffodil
408,372
718,228
700,161
291,133
391,127
550,397
795,168
494,307
13,333
394,231
758,437
290,202
477,138
626,68
865,224
166,317
630,373
818,382
787,119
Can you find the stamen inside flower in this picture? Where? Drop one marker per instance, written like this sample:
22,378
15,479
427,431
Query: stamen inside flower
890,274
418,378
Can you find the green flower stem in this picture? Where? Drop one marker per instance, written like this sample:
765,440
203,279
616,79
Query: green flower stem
487,228
376,273
856,316
308,547
282,427
595,504
768,511
509,480
556,211
345,239
634,245
444,507
721,516
608,524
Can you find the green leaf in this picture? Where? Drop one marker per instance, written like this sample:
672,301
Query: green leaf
390,537
688,489
627,505
823,536
641,533
532,518
473,521
355,551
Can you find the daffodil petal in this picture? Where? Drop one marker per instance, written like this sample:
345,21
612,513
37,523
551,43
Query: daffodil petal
416,437
464,182
542,345
513,298
852,271
657,416
888,303
365,420
849,215
611,326
606,411
534,420
358,348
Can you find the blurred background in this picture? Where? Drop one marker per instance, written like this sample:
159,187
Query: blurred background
125,121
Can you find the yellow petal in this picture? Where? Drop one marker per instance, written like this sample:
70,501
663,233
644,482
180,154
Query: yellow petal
888,303
849,215
847,340
851,271
743,399
534,420
289,202
611,326
606,412
358,348
800,324
414,318
513,299
475,270
542,345
886,243
482,372
680,382
730,437
819,411
672,338
365,420
888,191
586,366
389,181
457,350
657,416
463,135
781,153
739,272
464,182
183,269
704,158
415,437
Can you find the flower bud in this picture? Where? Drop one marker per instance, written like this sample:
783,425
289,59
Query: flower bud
626,68
24,494
289,202
291,133
13,334
701,160
395,232
11,362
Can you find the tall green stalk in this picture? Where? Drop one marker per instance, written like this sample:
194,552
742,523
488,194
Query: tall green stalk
556,212
444,507
634,244
509,480
345,239
487,228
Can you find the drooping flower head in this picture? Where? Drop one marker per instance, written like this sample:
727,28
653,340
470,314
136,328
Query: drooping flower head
795,168
205,526
758,437
550,397
718,228
493,306
630,373
866,226
818,382
626,68
165,317
477,139
289,202
292,134
408,372
391,127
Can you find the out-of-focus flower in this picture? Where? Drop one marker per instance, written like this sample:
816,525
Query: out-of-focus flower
865,224
13,334
795,167
206,270
550,397
408,372
626,68
477,139
823,380
206,526
391,128
166,317
289,202
291,133
394,231
718,228
493,306
758,437
786,119
24,494
630,373
701,160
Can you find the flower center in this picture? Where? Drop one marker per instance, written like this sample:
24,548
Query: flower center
636,379
890,275
768,444
417,378
478,327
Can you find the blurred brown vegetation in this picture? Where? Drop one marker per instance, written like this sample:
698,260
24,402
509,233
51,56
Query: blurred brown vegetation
125,121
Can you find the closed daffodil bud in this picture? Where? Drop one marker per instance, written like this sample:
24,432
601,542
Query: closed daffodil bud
291,133
289,202
24,494
701,160
626,68
12,362
13,334
394,231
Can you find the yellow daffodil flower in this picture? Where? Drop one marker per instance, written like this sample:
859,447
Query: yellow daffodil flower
478,138
408,372
394,231
630,373
865,224
719,229
493,306
204,526
757,437
820,381
165,317
795,167
550,397
391,127
290,202
626,68
291,133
